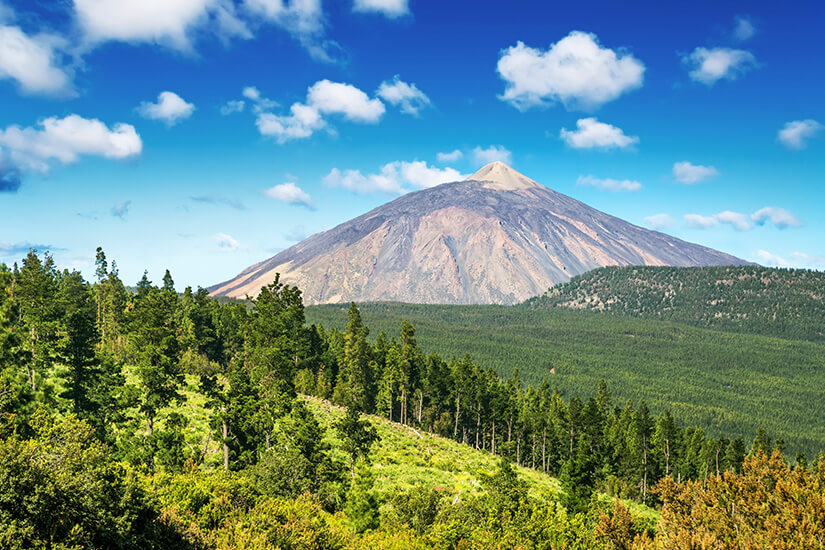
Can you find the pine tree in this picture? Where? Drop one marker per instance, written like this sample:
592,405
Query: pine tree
154,345
362,506
355,380
357,436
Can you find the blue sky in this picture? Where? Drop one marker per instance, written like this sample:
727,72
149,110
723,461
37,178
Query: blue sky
121,124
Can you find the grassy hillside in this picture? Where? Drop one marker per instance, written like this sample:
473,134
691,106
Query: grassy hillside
403,459
757,300
731,384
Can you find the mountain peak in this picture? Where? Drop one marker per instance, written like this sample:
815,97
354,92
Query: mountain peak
497,238
498,175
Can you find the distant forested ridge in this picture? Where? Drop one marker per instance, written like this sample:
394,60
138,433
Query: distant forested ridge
158,419
789,303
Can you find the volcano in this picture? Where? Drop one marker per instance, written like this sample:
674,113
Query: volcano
497,237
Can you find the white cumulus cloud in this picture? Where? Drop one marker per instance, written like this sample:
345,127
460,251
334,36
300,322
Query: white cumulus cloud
687,173
394,178
698,221
226,243
289,193
659,221
742,222
170,108
34,62
389,8
575,71
492,153
344,99
779,217
795,134
323,98
592,134
408,97
66,140
708,65
609,184
450,156
158,21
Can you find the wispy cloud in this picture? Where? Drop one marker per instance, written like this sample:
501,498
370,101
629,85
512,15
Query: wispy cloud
218,200
493,153
451,156
743,28
709,65
778,217
391,9
659,221
394,178
21,248
690,174
121,210
609,184
297,233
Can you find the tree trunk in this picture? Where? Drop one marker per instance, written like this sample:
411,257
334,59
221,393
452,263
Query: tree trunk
478,423
225,435
544,450
420,405
644,465
150,423
457,413
493,439
403,404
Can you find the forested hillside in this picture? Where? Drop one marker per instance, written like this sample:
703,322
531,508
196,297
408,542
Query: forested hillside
789,303
155,419
730,384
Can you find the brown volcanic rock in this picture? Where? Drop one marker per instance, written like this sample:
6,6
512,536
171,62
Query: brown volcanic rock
496,237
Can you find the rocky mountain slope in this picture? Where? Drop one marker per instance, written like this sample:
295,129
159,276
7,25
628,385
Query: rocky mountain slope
496,237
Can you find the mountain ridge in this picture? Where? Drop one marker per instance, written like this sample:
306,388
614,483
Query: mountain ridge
495,237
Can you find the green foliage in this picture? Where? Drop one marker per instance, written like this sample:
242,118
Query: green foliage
201,394
63,490
357,435
299,462
362,506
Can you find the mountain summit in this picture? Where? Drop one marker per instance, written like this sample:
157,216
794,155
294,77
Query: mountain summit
496,237
498,175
